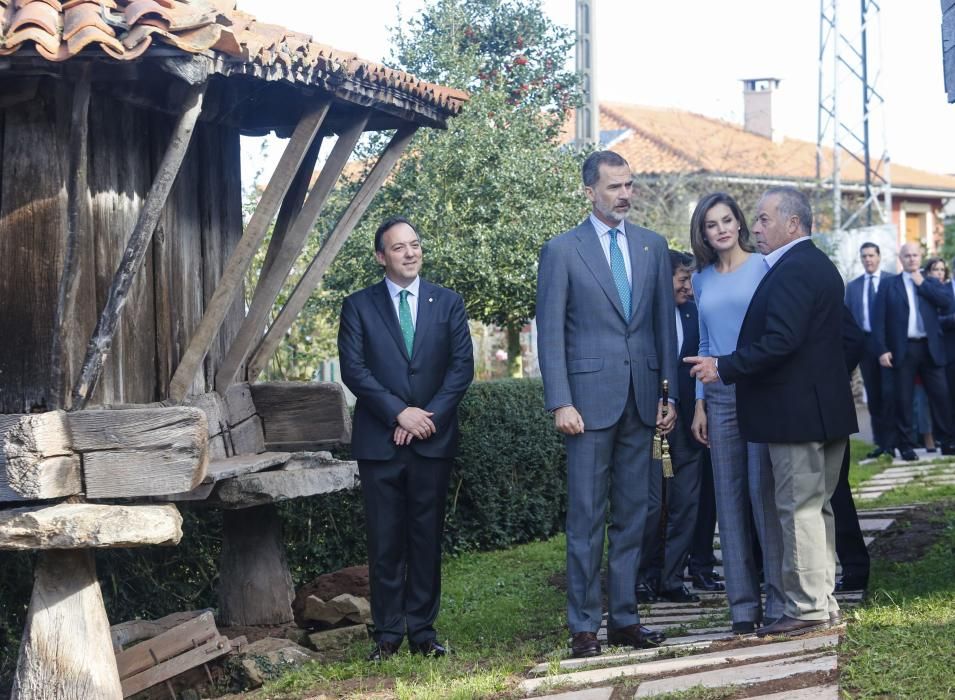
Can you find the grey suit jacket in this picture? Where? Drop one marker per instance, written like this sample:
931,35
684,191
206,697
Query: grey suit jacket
589,353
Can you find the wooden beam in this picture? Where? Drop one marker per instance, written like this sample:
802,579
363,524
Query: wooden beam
7,494
139,241
300,416
316,270
167,644
145,452
273,276
231,282
66,650
77,194
209,651
125,634
41,463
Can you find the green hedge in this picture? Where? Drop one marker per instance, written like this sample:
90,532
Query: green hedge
508,487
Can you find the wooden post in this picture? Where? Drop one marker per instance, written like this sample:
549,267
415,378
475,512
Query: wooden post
136,248
66,653
255,586
316,270
234,274
77,188
272,279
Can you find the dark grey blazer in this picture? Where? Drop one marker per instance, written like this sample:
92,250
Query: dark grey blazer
589,353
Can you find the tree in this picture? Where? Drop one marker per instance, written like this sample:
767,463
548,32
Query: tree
488,192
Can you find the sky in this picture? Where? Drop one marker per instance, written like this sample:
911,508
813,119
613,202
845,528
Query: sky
691,54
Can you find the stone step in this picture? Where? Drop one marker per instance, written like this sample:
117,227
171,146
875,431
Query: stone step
633,655
601,675
875,525
750,674
588,694
817,692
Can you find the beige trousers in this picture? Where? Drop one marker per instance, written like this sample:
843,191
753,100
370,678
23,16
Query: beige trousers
806,474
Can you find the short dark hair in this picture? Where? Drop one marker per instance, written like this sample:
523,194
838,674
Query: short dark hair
870,244
680,259
387,224
931,262
792,202
704,253
590,171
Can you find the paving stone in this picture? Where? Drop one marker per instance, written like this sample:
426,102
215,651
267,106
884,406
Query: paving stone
875,525
670,619
708,636
869,496
589,694
749,674
600,675
868,540
632,655
818,692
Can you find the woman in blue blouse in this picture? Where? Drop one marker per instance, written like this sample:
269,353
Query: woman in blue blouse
728,272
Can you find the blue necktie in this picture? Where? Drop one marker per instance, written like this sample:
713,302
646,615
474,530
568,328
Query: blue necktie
619,273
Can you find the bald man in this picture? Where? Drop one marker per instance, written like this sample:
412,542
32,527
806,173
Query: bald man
908,339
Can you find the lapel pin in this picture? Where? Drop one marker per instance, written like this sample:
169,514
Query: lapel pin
430,299
646,249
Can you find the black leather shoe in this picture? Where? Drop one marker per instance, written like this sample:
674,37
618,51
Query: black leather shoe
791,627
877,452
948,450
678,595
908,454
636,636
706,582
428,648
852,583
584,644
745,627
383,650
646,594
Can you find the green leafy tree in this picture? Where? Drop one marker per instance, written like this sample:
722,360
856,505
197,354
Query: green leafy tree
488,191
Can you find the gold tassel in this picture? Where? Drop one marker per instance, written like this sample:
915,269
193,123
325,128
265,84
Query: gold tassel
667,462
657,446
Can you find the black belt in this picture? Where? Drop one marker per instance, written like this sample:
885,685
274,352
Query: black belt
918,340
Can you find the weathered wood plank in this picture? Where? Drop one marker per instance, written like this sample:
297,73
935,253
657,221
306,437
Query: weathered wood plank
247,437
210,651
289,247
299,416
214,406
316,269
89,525
255,586
126,633
40,462
222,469
139,242
241,258
305,474
141,452
66,651
239,403
166,645
7,494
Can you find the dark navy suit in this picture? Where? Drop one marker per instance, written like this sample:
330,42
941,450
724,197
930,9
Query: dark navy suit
925,357
877,379
404,488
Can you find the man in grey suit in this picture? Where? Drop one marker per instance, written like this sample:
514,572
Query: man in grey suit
606,338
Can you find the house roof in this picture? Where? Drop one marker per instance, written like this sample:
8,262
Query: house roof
662,140
124,30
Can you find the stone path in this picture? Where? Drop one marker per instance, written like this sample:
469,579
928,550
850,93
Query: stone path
701,651
927,469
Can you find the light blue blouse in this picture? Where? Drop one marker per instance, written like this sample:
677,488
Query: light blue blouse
722,300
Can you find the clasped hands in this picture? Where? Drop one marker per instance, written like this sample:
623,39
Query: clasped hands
414,422
568,420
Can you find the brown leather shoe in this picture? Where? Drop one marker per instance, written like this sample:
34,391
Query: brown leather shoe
636,636
383,650
584,644
791,627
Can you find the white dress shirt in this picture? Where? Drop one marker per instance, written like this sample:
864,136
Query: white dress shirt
876,277
395,291
916,327
603,235
772,258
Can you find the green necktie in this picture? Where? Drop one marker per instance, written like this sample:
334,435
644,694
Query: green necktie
404,320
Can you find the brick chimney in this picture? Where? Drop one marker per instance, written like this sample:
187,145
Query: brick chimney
758,106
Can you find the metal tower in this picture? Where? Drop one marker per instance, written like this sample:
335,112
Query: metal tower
588,114
845,122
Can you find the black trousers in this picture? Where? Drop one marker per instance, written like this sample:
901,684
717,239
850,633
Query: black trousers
404,509
917,360
878,391
702,560
850,547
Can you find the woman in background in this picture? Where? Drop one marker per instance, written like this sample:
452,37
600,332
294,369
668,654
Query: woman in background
728,272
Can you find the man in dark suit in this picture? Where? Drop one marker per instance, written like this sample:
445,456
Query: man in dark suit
405,351
948,331
671,514
908,338
861,294
793,393
605,340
